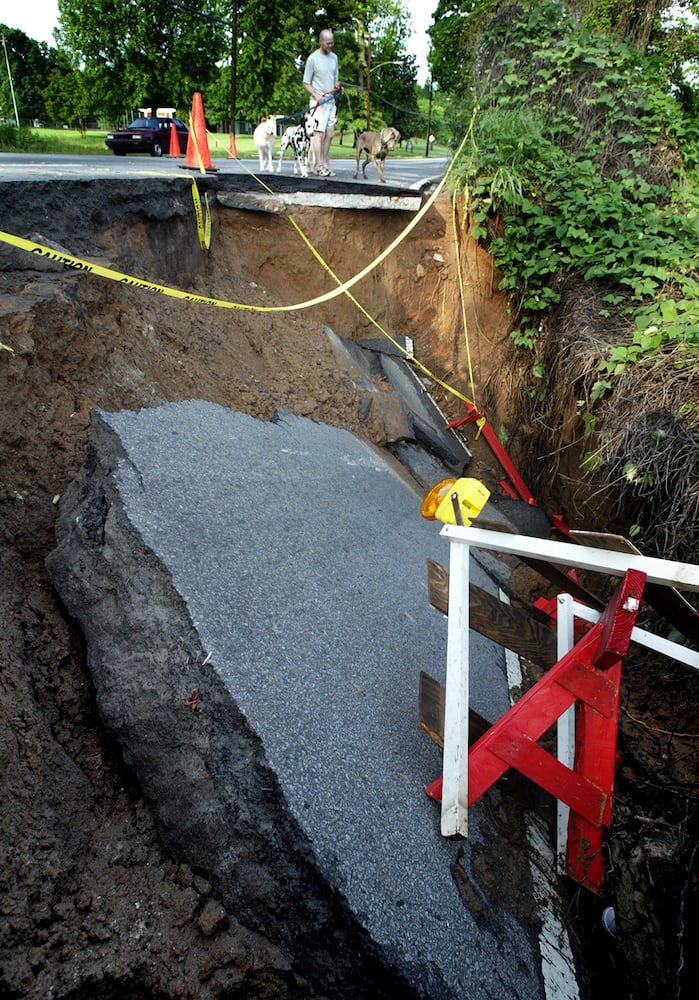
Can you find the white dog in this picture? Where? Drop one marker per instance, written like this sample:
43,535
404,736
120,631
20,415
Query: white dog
264,137
299,138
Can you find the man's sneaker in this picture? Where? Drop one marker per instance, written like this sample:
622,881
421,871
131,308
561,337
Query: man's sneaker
324,172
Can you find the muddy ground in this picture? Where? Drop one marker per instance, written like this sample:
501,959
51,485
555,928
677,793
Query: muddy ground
92,905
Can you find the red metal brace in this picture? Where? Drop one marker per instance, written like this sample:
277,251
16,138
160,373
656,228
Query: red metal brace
517,489
588,676
473,415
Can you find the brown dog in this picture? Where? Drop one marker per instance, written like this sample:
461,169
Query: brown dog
375,146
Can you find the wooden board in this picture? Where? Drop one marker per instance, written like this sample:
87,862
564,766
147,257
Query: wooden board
501,622
514,784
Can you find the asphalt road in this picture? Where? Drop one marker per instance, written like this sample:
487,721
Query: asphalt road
403,172
300,555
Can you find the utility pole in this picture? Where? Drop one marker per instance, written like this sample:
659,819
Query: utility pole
233,152
429,120
12,86
368,81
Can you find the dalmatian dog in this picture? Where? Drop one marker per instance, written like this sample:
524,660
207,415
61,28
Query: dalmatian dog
299,138
264,137
375,146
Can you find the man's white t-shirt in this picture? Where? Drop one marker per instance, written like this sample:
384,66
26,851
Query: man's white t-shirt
321,72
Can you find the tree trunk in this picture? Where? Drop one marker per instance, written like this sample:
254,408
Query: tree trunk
632,20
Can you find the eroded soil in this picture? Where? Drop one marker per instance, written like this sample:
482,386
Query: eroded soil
92,905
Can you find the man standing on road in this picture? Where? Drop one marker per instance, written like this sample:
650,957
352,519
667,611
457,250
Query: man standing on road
320,79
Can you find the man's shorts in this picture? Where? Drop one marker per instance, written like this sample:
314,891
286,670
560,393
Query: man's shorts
325,114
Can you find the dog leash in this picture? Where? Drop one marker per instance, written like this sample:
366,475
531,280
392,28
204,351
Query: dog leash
300,114
327,96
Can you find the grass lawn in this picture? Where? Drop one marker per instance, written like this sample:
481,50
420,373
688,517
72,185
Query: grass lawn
56,140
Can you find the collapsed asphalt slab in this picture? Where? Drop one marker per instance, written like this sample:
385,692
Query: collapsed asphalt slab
254,601
416,429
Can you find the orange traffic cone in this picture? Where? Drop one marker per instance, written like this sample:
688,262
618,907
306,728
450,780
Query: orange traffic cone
197,157
174,142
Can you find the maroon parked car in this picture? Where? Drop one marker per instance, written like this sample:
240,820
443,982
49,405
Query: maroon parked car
148,135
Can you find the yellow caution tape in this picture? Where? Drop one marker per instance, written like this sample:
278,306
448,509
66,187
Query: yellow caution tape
480,424
344,287
195,144
78,264
203,227
82,265
462,293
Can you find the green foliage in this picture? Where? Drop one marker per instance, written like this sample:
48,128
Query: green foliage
30,62
454,37
88,143
277,38
394,94
69,92
114,56
574,169
16,139
142,55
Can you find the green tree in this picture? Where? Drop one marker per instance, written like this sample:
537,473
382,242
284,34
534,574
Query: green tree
678,48
156,54
665,27
394,97
452,42
69,92
273,41
633,21
449,115
374,64
577,177
275,37
575,169
30,63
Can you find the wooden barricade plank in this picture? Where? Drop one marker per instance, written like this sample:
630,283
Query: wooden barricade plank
533,715
528,757
500,622
593,688
514,784
595,754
